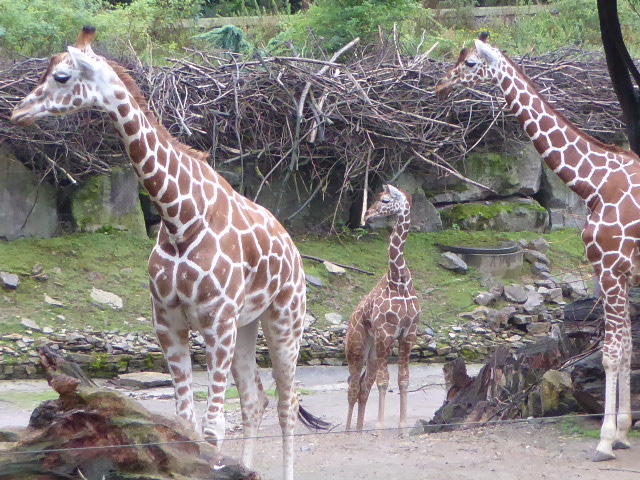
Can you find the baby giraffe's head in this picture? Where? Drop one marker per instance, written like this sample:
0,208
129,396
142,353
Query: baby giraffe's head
74,80
391,201
475,65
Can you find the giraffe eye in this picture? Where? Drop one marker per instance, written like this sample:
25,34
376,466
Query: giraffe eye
470,63
61,77
385,200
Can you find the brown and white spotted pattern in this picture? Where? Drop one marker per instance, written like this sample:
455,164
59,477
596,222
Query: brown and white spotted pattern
608,179
221,263
390,311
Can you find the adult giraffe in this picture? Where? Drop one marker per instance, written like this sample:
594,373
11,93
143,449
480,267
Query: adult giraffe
221,263
390,311
608,179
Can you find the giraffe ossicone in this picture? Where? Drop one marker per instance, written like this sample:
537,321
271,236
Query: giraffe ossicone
221,265
390,312
607,177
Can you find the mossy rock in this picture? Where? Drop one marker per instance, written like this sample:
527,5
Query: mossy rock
503,216
107,203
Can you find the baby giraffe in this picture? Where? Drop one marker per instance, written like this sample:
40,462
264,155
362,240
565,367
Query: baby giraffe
390,311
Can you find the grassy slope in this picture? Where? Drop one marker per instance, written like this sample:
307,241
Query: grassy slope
116,262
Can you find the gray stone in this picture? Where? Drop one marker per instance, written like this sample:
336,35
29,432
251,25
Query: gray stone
10,281
453,262
28,206
515,293
52,301
520,319
333,268
104,298
539,245
27,322
334,318
484,298
574,286
538,267
566,208
553,295
424,216
315,281
533,256
498,319
534,303
140,380
538,328
109,202
309,321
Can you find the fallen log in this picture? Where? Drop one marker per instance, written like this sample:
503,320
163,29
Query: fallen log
90,433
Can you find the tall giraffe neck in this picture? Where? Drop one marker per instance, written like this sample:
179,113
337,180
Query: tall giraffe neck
398,271
557,140
171,176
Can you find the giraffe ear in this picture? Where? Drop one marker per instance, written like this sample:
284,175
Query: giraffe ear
486,52
395,193
83,62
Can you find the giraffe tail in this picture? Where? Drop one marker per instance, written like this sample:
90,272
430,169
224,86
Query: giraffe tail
311,421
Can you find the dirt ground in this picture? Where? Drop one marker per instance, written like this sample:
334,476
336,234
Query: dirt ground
531,450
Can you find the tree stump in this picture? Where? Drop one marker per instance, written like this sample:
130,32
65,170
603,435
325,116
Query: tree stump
100,434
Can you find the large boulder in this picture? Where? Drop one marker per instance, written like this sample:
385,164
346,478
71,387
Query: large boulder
28,206
509,215
109,202
566,208
517,171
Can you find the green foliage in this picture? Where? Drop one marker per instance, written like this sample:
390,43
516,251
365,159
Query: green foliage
229,37
43,27
337,22
40,27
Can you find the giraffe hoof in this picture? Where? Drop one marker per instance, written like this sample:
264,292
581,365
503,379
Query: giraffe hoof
619,445
602,457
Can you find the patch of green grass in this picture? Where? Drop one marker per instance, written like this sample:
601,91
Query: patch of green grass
585,427
232,393
116,262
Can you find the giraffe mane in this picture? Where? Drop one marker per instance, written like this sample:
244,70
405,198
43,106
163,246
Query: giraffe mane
574,128
142,102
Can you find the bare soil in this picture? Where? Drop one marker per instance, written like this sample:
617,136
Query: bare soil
530,450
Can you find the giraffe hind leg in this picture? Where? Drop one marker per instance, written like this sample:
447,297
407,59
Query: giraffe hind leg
253,399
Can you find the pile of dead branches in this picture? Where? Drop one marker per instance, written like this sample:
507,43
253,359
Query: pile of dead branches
318,120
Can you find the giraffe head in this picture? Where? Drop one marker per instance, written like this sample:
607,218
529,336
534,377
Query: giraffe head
74,80
475,65
391,201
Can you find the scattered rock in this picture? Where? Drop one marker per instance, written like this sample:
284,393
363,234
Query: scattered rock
533,256
538,328
333,268
515,293
309,320
453,262
539,244
520,319
52,301
315,281
27,322
102,297
38,273
10,281
140,380
534,303
484,298
334,318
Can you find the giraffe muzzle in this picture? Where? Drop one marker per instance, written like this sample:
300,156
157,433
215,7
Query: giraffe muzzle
443,89
22,118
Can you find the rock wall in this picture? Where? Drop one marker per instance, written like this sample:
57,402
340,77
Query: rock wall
528,194
28,207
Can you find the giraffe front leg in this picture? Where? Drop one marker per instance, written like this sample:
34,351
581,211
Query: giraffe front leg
383,350
614,290
624,417
173,338
404,353
356,349
220,339
366,382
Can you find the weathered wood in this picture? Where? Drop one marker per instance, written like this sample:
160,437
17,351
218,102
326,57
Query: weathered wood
97,433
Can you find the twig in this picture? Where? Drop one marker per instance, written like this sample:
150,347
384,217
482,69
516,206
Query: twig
322,260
